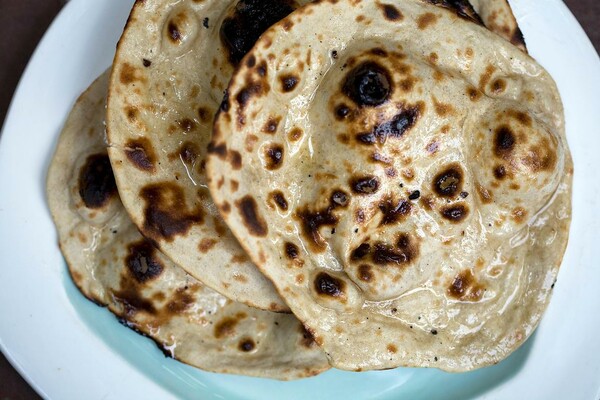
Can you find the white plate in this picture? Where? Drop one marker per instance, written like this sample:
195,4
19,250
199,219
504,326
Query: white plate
68,348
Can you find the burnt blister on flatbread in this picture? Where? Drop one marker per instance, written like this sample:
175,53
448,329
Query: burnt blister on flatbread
250,18
141,154
167,213
96,181
368,84
255,223
364,185
449,182
327,285
142,262
393,128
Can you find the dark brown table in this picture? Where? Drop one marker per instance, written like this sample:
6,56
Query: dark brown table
22,24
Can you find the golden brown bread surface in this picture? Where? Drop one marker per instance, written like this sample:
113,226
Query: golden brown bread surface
404,180
114,266
172,65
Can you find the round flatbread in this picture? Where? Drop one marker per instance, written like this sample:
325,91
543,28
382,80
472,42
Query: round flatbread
172,65
412,203
114,266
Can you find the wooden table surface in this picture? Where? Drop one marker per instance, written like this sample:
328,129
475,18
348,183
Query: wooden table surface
22,24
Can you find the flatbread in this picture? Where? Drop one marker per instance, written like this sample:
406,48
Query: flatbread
114,266
172,65
412,205
498,16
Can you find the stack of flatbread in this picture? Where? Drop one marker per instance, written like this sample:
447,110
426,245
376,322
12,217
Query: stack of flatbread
273,187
